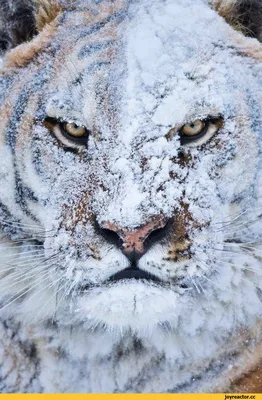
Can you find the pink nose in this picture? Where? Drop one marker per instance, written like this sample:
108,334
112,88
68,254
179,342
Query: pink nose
133,241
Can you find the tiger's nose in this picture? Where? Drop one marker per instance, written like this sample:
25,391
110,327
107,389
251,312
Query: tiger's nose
135,242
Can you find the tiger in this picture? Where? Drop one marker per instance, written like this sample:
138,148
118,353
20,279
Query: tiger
130,196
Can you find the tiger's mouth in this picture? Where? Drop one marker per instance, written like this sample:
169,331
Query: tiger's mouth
133,273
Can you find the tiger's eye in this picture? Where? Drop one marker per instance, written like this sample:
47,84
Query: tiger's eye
74,130
194,128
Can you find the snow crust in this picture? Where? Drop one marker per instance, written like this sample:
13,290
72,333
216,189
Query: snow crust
171,63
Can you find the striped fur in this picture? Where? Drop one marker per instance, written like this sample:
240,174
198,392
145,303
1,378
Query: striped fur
127,72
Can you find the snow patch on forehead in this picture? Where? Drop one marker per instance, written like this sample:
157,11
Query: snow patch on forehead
160,35
171,53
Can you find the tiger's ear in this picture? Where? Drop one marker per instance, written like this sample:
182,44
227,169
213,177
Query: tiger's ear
17,23
20,20
243,15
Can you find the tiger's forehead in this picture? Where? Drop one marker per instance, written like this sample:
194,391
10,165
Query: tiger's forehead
141,67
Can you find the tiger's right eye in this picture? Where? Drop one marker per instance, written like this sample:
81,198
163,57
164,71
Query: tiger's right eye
194,128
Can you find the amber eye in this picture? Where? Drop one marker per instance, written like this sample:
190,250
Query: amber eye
74,130
198,132
193,131
70,134
194,128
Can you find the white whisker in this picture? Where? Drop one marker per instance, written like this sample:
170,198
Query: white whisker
16,247
219,286
231,221
24,291
28,278
46,289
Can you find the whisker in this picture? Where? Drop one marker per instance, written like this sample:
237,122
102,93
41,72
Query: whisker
194,283
23,263
235,242
24,291
231,221
204,291
245,247
238,227
219,286
243,267
16,223
34,228
65,286
46,289
233,252
15,247
21,254
26,239
39,264
244,279
36,273
22,270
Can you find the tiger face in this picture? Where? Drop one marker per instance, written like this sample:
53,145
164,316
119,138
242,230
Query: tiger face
130,172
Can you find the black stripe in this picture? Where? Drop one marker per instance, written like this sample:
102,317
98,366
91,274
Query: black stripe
93,48
5,215
117,17
37,159
23,194
93,67
31,87
19,109
5,83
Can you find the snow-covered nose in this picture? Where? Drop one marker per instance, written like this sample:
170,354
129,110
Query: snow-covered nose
134,242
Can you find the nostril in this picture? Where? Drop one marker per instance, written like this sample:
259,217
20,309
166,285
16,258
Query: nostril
158,234
111,237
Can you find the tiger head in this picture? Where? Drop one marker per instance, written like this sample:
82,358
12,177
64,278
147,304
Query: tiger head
130,168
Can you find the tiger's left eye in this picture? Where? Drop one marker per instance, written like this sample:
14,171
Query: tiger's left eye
74,130
70,134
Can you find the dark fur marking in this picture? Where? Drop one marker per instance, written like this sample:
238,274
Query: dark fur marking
118,16
245,15
19,109
92,48
17,23
96,66
250,16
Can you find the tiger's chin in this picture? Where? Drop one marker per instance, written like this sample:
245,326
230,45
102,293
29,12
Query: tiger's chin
139,306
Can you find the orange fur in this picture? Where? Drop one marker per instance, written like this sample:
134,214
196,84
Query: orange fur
47,11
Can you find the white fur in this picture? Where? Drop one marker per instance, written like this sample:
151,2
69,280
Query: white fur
140,336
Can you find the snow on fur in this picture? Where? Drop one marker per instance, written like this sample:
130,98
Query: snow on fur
133,82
